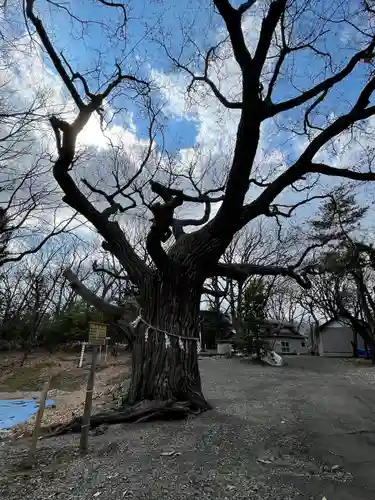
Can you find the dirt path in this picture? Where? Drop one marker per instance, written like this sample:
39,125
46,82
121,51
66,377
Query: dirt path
301,432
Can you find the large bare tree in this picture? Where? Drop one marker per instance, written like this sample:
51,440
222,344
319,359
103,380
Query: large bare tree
165,360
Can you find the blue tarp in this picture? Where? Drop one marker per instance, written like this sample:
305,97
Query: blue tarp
363,354
16,411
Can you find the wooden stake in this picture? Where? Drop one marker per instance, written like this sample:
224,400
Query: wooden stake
82,355
38,420
88,403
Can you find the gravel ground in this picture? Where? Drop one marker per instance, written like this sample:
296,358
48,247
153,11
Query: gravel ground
303,431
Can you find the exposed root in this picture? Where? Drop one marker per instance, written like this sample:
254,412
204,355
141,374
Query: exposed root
140,412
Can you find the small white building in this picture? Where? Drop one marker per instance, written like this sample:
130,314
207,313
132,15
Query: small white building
335,338
283,338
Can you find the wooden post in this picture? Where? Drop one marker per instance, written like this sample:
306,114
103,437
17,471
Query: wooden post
38,421
82,354
88,403
106,350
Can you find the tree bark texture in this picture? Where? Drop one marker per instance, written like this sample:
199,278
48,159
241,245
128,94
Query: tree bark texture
165,360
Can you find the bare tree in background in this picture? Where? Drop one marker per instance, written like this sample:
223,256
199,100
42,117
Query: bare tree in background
165,360
35,290
28,205
257,244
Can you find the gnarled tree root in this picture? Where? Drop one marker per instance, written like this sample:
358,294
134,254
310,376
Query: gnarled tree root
143,411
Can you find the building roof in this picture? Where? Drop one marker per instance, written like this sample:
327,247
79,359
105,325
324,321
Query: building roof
342,320
282,330
328,322
286,335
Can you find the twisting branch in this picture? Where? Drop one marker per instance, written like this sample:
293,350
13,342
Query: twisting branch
241,272
160,232
177,225
323,86
66,136
117,5
113,274
267,31
306,122
275,211
166,194
119,78
205,78
322,168
232,18
77,76
245,6
52,53
90,297
114,207
311,269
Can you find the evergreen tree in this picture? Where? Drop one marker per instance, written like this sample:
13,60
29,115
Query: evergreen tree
338,217
252,312
349,261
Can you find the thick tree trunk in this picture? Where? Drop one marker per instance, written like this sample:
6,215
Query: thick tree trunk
165,382
165,360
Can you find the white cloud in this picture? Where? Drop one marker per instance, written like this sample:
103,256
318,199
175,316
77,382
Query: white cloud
216,125
29,78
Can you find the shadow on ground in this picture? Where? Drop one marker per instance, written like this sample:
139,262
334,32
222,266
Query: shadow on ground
304,431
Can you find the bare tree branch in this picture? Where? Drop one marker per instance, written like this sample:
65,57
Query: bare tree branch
160,232
66,136
107,308
117,5
305,164
177,225
274,209
267,31
323,86
52,53
321,168
116,275
244,7
242,271
205,78
232,19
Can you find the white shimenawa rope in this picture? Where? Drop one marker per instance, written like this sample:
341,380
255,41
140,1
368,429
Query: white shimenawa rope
167,335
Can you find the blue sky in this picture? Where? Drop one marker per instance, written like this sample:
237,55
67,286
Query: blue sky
144,18
175,22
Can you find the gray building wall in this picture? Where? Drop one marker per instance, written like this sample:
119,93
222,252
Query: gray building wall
335,340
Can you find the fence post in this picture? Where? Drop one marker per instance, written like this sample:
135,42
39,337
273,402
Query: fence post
82,354
38,420
88,403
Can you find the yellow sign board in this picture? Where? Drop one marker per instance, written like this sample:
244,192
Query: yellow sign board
97,333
